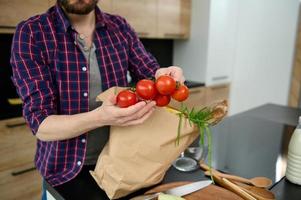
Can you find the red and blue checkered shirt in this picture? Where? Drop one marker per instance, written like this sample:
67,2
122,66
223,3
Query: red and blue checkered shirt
51,76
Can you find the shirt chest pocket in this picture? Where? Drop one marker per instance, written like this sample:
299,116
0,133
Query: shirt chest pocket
113,62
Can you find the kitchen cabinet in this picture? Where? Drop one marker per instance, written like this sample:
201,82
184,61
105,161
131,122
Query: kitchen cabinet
209,54
222,41
168,19
153,18
204,96
196,99
18,177
105,5
140,14
174,18
14,11
217,93
51,2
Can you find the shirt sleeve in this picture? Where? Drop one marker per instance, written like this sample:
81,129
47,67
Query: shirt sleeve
141,63
32,77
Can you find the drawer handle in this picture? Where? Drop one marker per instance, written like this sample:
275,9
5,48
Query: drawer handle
23,171
14,101
15,124
9,27
195,91
175,35
219,87
217,78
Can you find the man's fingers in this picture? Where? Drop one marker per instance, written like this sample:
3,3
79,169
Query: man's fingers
160,72
124,112
176,73
173,71
141,120
113,99
110,101
141,112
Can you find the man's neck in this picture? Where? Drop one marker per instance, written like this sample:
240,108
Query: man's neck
82,22
84,25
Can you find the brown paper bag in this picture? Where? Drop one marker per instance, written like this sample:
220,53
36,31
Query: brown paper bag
139,156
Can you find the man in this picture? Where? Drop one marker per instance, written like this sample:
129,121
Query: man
61,61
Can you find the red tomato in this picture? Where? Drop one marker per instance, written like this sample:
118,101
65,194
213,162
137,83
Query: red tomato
126,98
146,89
181,94
165,85
162,100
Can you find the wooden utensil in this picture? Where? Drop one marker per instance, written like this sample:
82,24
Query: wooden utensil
211,192
232,187
258,193
262,182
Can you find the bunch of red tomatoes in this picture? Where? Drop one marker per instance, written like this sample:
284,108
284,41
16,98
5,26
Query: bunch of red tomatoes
160,91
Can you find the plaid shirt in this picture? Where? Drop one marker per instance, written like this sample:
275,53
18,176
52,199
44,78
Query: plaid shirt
51,76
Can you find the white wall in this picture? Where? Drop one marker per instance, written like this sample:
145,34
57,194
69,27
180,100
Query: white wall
264,53
259,45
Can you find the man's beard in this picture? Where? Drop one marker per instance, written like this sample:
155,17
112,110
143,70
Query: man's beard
80,7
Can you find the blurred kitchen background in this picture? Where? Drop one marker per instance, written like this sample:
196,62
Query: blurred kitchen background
246,51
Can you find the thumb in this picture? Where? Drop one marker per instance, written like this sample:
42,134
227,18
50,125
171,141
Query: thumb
111,100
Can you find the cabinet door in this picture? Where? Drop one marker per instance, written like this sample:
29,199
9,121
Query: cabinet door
105,5
217,93
17,150
196,99
140,14
14,11
174,18
51,2
222,43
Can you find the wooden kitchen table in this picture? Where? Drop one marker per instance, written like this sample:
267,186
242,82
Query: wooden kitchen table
249,144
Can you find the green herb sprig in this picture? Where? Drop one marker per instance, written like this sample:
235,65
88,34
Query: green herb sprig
203,119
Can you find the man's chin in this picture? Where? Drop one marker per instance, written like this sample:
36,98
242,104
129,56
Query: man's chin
79,8
80,12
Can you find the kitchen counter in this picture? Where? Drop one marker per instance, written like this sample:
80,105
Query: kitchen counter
249,144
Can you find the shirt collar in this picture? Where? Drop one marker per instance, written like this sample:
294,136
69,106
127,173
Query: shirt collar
64,23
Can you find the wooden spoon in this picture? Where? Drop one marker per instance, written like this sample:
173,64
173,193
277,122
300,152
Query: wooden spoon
262,192
258,193
225,183
262,182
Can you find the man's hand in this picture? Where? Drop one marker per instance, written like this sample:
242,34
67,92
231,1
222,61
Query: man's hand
110,114
62,127
173,71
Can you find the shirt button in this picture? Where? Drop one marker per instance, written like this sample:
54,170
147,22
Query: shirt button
83,140
81,36
84,69
79,163
75,43
85,94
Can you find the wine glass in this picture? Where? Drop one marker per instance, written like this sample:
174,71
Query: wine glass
189,159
